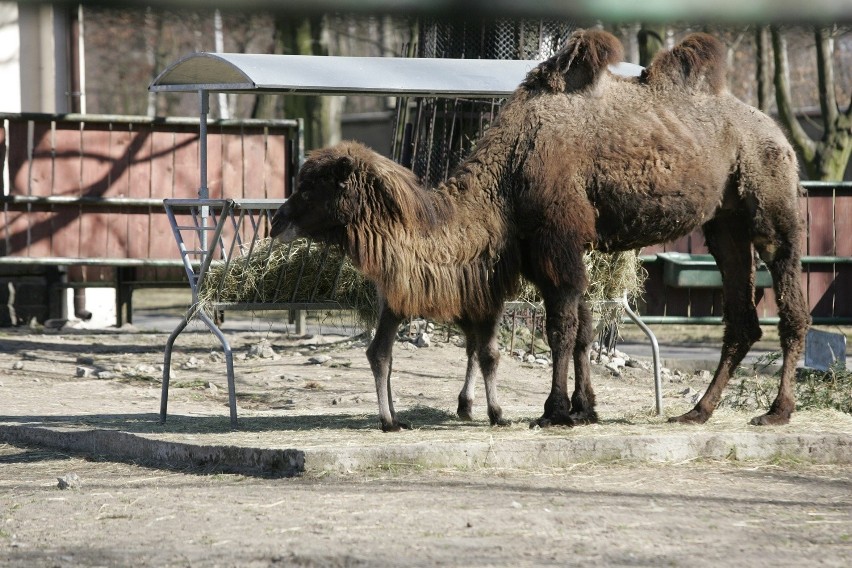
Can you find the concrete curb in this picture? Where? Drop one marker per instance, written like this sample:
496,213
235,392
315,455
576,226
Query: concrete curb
830,448
122,446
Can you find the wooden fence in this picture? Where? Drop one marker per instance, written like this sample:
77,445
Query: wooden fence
826,274
82,196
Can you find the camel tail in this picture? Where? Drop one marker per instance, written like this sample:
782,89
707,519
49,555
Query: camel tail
698,63
578,64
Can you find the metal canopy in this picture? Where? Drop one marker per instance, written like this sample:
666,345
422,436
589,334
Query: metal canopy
330,75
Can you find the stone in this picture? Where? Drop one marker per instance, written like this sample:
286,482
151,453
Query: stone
542,361
85,360
319,359
261,350
18,365
85,372
423,340
704,375
614,369
530,358
212,388
69,481
144,369
617,361
823,349
104,375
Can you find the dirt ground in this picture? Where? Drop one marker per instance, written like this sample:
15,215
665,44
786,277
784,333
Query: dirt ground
780,513
689,514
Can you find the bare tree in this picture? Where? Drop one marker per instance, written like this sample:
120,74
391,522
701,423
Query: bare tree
304,36
827,157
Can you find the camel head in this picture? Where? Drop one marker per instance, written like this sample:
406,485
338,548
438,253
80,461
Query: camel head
345,187
318,208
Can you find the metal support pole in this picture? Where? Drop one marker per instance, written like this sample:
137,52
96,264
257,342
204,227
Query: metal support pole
203,190
204,110
655,351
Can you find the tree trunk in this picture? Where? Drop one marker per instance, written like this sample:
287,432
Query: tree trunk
321,114
764,68
650,42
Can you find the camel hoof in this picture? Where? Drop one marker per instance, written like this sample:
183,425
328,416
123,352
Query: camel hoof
549,421
770,419
584,418
692,417
395,426
465,411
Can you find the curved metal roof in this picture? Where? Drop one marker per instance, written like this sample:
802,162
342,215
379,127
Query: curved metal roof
307,74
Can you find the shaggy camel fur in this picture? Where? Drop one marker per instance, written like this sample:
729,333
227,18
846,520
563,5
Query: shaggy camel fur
577,158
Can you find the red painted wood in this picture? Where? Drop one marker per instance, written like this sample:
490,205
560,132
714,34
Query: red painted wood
139,186
275,166
254,153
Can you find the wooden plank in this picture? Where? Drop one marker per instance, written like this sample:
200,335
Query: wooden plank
254,155
820,224
843,291
821,290
214,164
162,172
275,165
66,182
137,230
843,242
96,175
843,221
186,181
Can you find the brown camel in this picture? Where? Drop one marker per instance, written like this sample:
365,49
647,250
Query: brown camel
577,158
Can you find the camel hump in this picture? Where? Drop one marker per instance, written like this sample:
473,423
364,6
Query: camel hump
578,63
697,63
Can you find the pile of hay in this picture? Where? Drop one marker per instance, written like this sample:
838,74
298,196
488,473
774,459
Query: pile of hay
303,272
610,277
271,272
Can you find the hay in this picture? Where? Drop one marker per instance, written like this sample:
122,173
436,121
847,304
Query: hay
300,272
303,272
610,277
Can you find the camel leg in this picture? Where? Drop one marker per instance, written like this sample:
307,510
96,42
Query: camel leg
561,323
794,320
488,353
465,408
729,241
380,356
583,399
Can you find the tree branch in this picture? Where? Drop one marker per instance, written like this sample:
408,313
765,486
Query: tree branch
798,136
825,74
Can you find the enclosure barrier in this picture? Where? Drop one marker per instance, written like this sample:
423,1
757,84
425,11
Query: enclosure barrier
84,201
684,285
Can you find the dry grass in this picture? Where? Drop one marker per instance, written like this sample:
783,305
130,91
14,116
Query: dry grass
271,272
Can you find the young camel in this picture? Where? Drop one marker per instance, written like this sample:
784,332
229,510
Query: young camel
577,158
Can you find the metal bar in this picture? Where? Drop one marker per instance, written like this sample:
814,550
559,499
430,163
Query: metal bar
229,365
274,306
655,351
79,201
72,261
286,123
717,320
